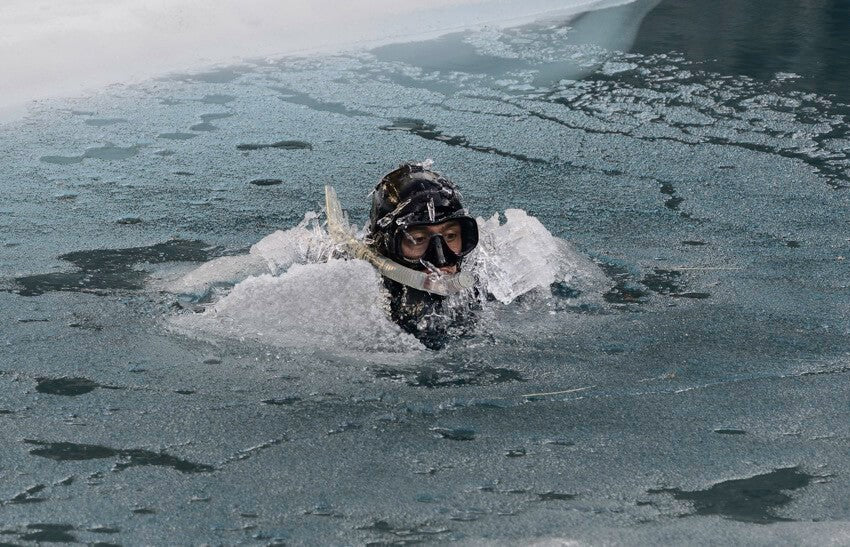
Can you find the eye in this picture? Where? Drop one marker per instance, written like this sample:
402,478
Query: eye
415,238
450,236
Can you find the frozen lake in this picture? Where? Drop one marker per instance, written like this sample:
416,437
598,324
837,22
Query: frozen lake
698,396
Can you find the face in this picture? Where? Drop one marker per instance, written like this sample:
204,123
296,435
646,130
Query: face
416,240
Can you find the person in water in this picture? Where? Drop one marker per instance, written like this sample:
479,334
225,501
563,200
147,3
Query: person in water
418,221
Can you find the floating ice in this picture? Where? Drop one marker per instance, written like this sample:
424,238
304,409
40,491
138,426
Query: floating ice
290,292
521,255
612,67
275,253
337,304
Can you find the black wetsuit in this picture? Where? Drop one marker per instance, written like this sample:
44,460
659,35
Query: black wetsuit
428,317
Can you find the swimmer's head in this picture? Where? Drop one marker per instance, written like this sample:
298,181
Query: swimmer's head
418,220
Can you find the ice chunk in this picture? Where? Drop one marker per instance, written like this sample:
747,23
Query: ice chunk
521,255
306,242
294,310
225,270
275,253
612,67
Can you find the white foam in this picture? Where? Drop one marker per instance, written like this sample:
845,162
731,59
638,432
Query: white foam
50,48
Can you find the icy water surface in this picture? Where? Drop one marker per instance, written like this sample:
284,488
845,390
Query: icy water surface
698,395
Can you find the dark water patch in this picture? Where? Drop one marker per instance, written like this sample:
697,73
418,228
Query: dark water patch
449,53
281,145
102,122
694,242
185,391
625,289
184,173
672,201
6,411
515,453
401,535
216,116
176,136
206,120
663,281
297,97
222,75
128,220
103,530
165,153
144,511
92,282
32,320
266,182
28,495
730,431
555,496
429,132
562,290
62,160
754,499
791,243
68,386
127,457
451,376
102,270
323,510
106,153
66,196
757,39
454,434
49,533
558,442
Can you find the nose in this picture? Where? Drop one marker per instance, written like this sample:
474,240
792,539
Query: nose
437,244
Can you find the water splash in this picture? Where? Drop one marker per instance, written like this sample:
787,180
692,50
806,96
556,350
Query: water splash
292,290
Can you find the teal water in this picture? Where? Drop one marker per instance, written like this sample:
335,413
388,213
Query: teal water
697,152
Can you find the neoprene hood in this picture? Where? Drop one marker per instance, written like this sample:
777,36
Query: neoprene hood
413,195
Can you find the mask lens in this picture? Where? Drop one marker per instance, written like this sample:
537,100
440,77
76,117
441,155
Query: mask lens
413,243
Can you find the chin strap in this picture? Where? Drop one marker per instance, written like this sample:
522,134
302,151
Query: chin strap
433,282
